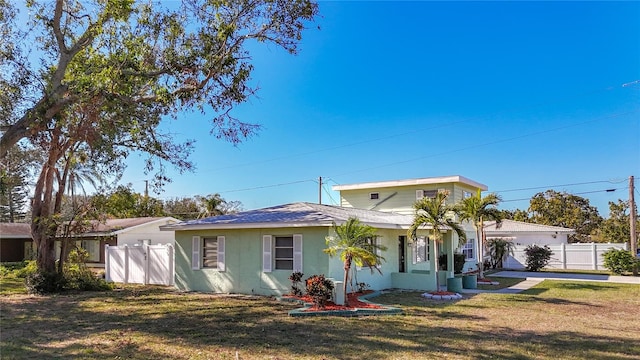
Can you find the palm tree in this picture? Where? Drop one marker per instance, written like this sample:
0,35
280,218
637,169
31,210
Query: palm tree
211,205
477,209
434,214
355,242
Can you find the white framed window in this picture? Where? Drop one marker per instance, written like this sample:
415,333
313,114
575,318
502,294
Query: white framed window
282,252
420,250
208,253
373,241
468,249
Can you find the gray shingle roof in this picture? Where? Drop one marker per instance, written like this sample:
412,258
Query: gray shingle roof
299,214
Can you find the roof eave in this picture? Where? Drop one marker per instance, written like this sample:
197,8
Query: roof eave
409,182
273,226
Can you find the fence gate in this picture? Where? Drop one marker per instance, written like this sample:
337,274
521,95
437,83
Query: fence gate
140,264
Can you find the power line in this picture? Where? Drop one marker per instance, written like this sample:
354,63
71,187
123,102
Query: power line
578,193
554,186
268,186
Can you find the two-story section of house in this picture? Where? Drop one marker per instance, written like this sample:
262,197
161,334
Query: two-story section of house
398,196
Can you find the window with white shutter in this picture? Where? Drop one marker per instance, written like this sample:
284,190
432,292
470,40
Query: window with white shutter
266,253
297,252
221,246
195,252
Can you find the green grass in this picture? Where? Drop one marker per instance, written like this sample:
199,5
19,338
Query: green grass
554,320
12,285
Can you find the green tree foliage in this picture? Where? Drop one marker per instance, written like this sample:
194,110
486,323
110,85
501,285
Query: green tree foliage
185,208
355,243
97,77
565,210
619,261
199,206
616,228
537,257
433,214
516,215
479,209
123,202
15,171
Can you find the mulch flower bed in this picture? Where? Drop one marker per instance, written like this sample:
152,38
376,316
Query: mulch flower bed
353,300
356,306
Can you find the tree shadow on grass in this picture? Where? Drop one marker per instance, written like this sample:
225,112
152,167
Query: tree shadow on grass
177,325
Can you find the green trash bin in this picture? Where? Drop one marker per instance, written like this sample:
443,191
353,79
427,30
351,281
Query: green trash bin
470,281
454,284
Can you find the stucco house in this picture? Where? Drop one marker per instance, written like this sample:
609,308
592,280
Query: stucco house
400,195
522,234
255,252
131,231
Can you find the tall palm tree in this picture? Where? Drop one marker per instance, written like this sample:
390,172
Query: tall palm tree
478,209
434,214
355,242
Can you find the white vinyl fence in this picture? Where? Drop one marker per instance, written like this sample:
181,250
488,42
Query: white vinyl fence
568,256
140,264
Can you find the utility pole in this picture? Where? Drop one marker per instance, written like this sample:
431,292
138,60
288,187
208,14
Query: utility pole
320,190
632,224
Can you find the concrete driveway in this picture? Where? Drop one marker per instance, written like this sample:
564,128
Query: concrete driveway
534,278
566,276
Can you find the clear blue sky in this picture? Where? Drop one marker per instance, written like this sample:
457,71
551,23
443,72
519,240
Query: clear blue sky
515,95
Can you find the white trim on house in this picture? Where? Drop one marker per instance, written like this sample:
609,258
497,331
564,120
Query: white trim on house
409,182
512,226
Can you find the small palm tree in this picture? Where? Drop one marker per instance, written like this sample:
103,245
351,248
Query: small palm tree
499,250
434,214
355,242
211,205
478,209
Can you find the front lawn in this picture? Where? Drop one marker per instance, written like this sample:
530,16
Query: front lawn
554,320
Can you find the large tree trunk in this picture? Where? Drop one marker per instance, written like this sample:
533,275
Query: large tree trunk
44,226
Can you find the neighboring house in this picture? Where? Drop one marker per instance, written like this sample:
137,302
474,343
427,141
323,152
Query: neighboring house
523,233
112,232
255,252
16,243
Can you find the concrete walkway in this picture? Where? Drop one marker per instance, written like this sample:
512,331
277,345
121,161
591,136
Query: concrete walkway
534,278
